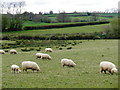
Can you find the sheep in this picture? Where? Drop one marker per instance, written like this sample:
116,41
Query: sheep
107,66
46,56
48,50
15,68
67,62
2,52
38,55
13,51
30,65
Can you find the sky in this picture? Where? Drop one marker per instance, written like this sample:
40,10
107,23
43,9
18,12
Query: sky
67,5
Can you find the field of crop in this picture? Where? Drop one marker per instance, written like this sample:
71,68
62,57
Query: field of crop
81,29
87,55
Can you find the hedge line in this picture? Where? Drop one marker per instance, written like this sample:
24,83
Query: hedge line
75,36
64,25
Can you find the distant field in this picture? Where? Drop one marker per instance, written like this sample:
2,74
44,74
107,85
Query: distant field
82,29
87,55
29,23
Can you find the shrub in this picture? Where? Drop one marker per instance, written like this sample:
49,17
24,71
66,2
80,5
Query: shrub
25,49
38,49
6,50
69,48
60,48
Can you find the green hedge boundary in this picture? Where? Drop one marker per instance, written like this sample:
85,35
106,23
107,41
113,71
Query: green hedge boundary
65,25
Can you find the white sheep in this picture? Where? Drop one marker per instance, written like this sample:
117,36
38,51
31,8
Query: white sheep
46,56
2,52
107,66
13,51
15,68
30,65
67,62
38,55
48,50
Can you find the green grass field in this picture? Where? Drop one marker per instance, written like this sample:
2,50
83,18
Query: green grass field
81,29
87,55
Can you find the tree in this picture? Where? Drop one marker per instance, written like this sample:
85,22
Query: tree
51,12
11,13
94,17
63,17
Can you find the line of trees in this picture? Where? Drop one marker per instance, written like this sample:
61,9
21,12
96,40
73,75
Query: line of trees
11,16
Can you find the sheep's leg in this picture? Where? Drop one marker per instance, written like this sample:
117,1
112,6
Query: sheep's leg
63,65
33,70
105,71
101,70
26,70
109,71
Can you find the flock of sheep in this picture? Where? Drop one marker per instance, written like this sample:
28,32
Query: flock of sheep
104,65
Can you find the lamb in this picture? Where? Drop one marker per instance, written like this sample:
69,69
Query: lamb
13,51
38,55
30,65
67,62
48,50
107,66
15,68
2,52
45,56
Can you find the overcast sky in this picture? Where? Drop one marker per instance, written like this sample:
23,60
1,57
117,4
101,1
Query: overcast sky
67,5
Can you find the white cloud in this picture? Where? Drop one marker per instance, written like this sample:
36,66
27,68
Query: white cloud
68,5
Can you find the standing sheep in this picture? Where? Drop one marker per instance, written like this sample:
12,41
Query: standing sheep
48,50
67,62
13,51
38,55
2,52
30,65
107,66
15,68
46,56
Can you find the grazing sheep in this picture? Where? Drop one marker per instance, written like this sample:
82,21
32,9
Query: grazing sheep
13,51
107,66
38,55
30,65
15,68
45,56
67,62
2,52
48,50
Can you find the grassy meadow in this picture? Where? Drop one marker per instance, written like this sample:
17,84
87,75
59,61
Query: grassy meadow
87,55
81,29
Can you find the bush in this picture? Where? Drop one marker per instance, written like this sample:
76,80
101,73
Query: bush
38,49
64,25
69,48
6,50
60,48
25,49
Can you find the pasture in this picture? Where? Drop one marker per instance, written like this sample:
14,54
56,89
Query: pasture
81,29
87,55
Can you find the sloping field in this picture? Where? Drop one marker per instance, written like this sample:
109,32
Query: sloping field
87,55
81,29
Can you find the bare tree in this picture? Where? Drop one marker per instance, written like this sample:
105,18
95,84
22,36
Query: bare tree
12,11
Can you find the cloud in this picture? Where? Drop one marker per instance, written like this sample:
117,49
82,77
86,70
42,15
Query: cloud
68,5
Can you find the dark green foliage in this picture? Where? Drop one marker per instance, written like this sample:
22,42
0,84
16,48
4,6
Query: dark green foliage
69,48
72,36
64,25
25,49
6,50
12,22
60,48
38,49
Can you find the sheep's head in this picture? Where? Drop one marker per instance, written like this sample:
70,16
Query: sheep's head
114,70
19,70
